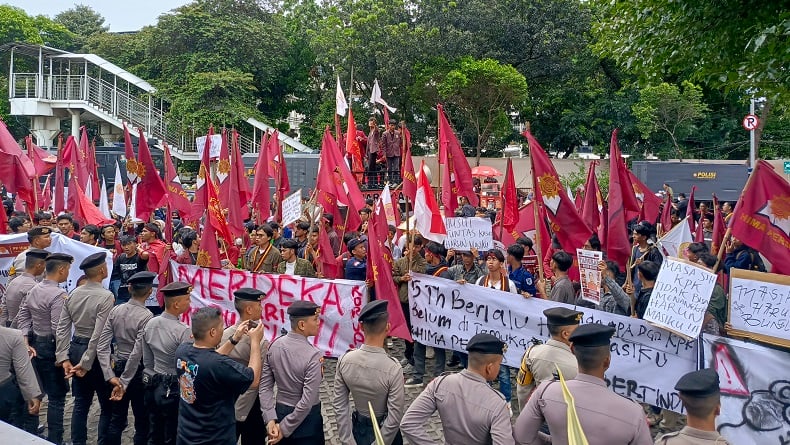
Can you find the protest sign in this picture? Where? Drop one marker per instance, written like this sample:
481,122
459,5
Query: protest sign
590,276
646,361
760,306
755,406
468,233
340,302
12,245
216,144
680,297
292,208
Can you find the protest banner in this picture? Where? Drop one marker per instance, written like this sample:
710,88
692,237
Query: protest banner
340,302
292,207
760,306
680,297
755,391
589,275
646,361
213,151
12,245
468,233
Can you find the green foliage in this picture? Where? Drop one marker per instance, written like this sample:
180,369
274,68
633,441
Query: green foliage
17,26
671,112
82,20
578,178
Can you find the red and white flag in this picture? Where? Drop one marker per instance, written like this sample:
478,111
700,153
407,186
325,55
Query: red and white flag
427,219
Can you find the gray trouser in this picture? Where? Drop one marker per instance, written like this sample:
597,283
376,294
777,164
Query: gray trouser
440,358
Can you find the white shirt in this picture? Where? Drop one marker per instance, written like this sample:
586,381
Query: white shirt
498,284
289,267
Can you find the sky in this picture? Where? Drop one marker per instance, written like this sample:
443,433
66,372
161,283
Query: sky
119,15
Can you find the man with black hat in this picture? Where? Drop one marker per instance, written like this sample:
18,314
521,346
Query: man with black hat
249,423
291,263
370,375
539,363
39,238
38,317
472,412
295,365
357,265
606,417
20,395
16,291
85,311
157,347
124,324
699,391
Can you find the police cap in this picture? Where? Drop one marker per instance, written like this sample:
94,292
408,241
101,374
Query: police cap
176,289
486,344
373,310
302,309
561,316
592,334
39,254
91,261
702,383
248,294
142,279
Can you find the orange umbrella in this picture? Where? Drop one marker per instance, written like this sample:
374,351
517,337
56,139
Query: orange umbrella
484,171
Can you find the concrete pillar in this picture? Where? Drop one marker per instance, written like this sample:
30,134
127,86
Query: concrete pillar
109,133
75,123
45,129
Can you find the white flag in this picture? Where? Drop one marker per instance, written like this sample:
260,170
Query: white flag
133,204
340,100
375,97
104,204
89,188
673,243
386,203
427,218
119,196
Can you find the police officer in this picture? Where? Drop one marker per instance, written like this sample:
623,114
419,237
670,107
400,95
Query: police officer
125,323
295,365
370,375
18,382
157,346
539,363
17,290
39,238
607,418
85,311
699,391
249,422
472,412
357,265
39,316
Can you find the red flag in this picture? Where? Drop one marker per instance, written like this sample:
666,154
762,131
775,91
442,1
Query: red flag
622,206
16,170
651,203
386,118
43,162
408,174
278,170
239,191
176,197
666,214
719,227
223,171
335,184
457,175
761,219
46,195
85,210
566,222
131,160
324,259
151,190
524,227
208,252
261,194
427,218
578,201
93,169
353,148
203,180
3,221
591,205
60,173
380,271
690,209
510,215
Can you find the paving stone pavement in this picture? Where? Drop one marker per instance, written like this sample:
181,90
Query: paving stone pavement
433,425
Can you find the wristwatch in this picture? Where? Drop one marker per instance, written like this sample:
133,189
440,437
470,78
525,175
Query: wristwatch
234,342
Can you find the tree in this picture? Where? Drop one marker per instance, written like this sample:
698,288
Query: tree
82,20
666,109
483,91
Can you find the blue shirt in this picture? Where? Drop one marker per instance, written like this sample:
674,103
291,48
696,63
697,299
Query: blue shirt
523,279
356,269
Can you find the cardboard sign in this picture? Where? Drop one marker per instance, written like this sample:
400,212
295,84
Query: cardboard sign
760,306
214,147
292,208
589,275
466,233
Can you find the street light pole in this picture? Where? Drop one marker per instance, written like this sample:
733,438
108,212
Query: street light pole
752,153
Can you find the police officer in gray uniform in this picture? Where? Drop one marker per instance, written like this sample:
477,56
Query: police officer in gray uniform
157,345
295,365
39,238
539,362
249,422
38,316
18,383
472,412
370,375
606,418
116,342
86,311
701,396
16,291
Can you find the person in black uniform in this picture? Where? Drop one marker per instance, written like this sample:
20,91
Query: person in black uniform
210,381
127,264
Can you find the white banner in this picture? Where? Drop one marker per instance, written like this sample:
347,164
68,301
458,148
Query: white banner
340,301
760,303
589,274
292,207
466,233
646,361
755,391
12,245
214,147
680,297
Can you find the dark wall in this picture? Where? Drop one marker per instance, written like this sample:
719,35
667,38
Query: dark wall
726,180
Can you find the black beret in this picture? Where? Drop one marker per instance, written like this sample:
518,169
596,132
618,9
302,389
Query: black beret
365,210
592,334
248,294
373,310
289,244
91,261
561,316
702,383
60,257
435,248
176,289
142,279
38,231
303,308
352,244
40,254
486,344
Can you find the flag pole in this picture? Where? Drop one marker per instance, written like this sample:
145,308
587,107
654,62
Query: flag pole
728,233
535,204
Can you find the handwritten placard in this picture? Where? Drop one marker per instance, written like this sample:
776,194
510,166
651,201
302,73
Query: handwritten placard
646,361
468,233
680,297
292,207
214,145
589,274
760,305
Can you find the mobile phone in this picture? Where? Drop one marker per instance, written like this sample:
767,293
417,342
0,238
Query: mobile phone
253,324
